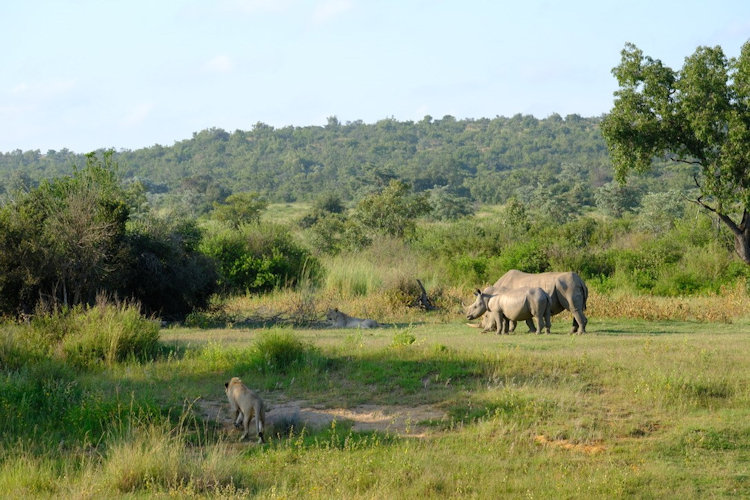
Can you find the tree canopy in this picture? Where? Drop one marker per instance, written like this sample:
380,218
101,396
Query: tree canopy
698,117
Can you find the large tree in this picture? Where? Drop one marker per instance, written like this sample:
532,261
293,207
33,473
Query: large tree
698,116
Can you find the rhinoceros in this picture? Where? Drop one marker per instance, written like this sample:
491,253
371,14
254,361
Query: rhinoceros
566,291
517,304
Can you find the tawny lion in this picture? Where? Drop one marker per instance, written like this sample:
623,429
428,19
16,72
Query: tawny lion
245,404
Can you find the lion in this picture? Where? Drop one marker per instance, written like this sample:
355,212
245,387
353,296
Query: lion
245,404
338,319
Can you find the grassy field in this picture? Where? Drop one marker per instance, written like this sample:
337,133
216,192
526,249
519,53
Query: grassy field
635,408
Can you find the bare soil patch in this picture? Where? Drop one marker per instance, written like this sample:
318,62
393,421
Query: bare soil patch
395,419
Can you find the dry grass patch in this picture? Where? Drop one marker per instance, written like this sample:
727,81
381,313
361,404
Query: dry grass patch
730,304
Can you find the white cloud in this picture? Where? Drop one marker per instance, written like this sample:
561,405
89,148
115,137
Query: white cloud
219,64
328,9
137,115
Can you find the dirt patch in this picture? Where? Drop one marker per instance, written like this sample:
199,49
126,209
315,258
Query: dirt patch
400,420
567,445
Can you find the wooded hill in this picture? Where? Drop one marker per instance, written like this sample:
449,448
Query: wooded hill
481,160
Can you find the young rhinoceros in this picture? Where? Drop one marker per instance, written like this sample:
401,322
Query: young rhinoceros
518,304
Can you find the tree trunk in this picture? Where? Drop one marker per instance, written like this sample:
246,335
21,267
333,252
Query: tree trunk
742,238
741,233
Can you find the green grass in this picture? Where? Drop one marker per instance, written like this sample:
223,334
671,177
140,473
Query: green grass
633,409
285,212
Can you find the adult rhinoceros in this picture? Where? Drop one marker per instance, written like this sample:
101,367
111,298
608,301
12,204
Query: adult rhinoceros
566,291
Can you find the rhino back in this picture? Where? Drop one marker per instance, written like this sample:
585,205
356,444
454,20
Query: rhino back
518,279
513,303
566,290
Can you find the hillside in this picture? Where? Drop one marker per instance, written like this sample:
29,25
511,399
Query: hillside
486,160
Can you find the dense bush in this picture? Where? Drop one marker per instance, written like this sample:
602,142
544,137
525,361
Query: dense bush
164,269
62,239
258,258
73,237
688,256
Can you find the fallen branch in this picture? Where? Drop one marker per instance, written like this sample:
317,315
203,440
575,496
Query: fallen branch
424,301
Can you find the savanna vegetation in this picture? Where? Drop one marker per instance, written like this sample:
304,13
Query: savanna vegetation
133,284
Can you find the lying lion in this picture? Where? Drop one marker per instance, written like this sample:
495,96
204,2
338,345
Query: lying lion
337,319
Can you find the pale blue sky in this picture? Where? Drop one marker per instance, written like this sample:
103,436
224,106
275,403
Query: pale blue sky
89,74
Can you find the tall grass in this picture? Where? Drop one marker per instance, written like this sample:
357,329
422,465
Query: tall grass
160,458
104,333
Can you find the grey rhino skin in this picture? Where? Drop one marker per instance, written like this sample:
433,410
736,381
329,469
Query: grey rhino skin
517,304
566,291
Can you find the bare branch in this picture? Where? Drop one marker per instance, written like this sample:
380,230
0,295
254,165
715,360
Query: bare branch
683,160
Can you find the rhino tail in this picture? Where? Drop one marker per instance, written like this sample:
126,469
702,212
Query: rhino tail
585,294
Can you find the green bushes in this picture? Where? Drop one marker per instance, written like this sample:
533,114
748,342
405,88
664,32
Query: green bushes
257,258
274,352
164,269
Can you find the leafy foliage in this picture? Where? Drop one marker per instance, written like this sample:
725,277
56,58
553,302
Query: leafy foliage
164,269
257,258
393,211
62,240
240,208
699,116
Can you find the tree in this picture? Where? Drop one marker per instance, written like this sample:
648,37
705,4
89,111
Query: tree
615,198
84,225
447,205
63,239
392,211
240,208
699,117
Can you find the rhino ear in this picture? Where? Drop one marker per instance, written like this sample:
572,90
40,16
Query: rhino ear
477,292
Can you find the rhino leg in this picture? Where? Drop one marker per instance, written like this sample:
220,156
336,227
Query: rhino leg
530,323
539,323
499,320
579,322
510,326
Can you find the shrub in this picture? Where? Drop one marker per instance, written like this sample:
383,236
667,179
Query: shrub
467,270
165,271
282,352
258,258
527,256
403,338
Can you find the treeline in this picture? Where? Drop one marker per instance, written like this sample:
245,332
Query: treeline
561,162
